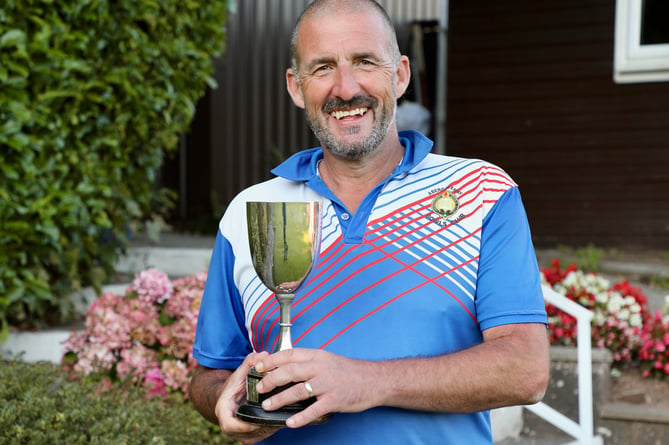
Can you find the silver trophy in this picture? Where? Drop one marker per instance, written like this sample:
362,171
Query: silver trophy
284,238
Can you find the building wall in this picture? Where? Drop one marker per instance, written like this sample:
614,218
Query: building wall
249,124
531,88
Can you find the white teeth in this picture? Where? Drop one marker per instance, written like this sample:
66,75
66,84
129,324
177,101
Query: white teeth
342,114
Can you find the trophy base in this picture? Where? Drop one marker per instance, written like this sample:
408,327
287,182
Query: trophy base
252,411
255,414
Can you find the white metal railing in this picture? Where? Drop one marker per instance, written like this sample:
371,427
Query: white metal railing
582,430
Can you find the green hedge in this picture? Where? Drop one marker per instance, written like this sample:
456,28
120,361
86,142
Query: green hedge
94,94
39,405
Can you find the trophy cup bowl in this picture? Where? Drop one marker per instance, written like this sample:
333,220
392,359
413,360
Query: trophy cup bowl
284,238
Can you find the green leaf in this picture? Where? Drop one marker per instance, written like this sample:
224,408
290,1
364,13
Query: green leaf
93,96
15,292
13,37
9,172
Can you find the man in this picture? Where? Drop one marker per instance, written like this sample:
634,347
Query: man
424,309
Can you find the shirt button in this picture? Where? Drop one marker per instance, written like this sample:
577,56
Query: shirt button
345,216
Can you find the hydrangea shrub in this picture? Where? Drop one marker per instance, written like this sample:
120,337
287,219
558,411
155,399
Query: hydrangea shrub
145,335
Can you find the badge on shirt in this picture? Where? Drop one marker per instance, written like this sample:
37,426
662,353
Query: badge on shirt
443,206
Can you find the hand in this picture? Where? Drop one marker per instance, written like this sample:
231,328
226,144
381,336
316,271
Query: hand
232,396
339,384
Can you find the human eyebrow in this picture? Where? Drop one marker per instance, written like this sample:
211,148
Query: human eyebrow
366,56
318,62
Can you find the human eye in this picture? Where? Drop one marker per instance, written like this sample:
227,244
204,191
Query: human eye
366,62
321,69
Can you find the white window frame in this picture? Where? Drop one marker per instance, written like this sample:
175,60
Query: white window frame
634,62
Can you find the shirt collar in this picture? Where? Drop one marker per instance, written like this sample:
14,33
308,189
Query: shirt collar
303,166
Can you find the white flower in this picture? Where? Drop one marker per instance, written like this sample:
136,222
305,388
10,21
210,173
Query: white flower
615,302
591,283
560,288
636,320
598,317
629,300
602,297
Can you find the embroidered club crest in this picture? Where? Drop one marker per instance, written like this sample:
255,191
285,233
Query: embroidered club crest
444,205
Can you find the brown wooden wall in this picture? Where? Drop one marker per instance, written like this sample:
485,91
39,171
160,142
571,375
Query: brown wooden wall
530,87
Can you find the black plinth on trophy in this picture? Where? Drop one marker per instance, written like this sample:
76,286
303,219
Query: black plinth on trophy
252,411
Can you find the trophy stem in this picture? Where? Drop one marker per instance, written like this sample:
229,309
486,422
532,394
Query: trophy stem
285,301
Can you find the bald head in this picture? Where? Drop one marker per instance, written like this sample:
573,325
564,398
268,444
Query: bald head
328,8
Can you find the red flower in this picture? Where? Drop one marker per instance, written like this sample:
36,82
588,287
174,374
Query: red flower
616,324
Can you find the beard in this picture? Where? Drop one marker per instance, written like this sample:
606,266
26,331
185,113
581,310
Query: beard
352,150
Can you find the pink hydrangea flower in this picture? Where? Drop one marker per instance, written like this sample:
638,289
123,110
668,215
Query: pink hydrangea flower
152,286
126,334
154,382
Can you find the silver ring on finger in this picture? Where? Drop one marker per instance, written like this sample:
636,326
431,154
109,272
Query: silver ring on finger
309,389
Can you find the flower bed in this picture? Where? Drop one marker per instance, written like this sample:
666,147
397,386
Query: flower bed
622,321
146,335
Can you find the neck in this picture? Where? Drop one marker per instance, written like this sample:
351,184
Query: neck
352,180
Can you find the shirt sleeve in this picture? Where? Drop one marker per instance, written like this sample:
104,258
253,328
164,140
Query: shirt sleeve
221,339
509,284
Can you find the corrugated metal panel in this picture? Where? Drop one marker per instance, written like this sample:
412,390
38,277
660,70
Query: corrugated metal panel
403,11
254,123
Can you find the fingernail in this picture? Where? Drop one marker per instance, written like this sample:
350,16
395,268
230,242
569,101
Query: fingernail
267,404
259,386
290,422
259,367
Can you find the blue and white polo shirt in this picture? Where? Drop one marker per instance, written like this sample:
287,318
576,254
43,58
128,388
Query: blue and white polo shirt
434,255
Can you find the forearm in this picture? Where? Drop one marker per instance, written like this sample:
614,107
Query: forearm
502,371
509,367
205,389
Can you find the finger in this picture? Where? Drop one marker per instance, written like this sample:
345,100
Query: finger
252,360
295,393
234,392
312,413
279,377
232,395
285,369
282,358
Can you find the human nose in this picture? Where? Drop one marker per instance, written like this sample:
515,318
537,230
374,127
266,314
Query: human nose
346,84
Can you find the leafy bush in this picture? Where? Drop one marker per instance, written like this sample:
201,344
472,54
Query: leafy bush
145,335
94,93
39,405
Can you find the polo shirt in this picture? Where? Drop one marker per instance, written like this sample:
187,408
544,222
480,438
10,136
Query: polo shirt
435,254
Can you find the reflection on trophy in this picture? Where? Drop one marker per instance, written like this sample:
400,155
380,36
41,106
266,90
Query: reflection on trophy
284,237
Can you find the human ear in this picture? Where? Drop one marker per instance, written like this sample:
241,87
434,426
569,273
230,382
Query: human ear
402,76
294,89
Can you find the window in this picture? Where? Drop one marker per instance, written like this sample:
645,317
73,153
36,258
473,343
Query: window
641,41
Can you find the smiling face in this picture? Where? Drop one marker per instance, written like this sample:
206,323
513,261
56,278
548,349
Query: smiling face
349,80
